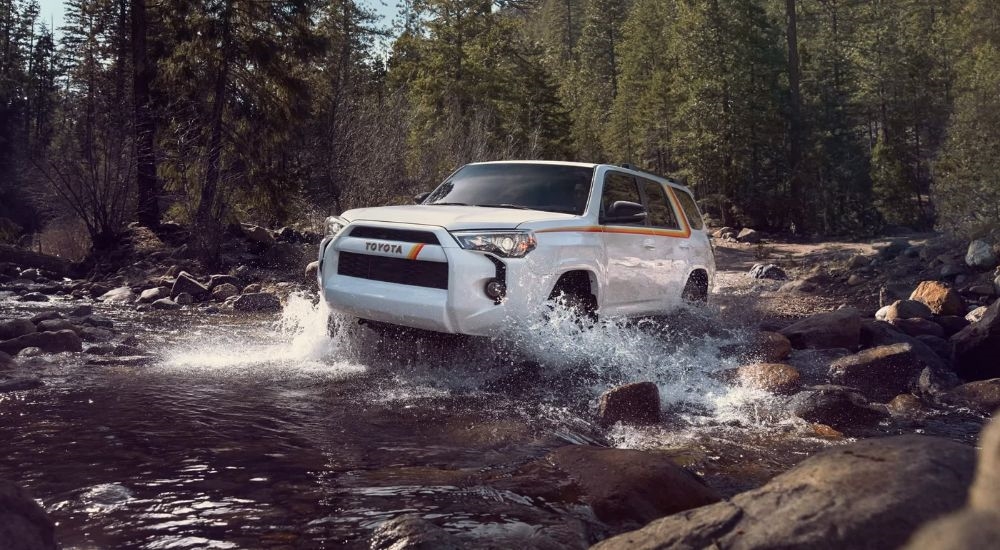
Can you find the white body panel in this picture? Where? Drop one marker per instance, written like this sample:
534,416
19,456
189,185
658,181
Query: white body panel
634,270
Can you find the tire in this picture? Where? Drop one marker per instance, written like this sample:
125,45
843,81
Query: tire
572,296
696,290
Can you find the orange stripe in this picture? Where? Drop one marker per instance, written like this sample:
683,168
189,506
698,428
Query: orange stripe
415,251
674,233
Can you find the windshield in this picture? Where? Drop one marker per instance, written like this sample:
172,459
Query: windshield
551,187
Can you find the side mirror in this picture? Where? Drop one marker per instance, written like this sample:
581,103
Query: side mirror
624,212
419,199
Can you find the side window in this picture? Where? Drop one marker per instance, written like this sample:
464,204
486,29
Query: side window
619,187
661,213
690,209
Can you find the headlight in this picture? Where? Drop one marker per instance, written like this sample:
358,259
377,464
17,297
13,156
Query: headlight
509,244
335,225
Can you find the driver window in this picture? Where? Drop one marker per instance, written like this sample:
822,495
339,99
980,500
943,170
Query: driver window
619,186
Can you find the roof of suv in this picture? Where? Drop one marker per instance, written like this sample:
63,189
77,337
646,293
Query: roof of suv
587,165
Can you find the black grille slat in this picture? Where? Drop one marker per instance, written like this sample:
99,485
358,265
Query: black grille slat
393,270
389,234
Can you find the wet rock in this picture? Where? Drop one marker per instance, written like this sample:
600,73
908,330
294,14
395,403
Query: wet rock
23,523
941,299
118,295
312,271
980,255
412,532
96,321
893,292
637,403
45,316
84,310
224,291
95,334
827,432
252,288
187,283
34,297
880,333
917,326
6,361
938,345
15,327
976,315
151,295
257,301
53,325
837,329
184,299
257,234
767,271
49,342
165,304
907,405
772,377
881,372
217,280
748,235
869,494
977,347
18,383
836,406
629,487
763,346
907,309
982,396
965,530
951,324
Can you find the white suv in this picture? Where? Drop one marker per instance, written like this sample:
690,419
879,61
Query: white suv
497,240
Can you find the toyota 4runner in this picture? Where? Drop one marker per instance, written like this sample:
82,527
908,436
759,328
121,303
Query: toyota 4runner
498,240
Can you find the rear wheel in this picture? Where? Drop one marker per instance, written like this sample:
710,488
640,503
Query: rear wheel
696,289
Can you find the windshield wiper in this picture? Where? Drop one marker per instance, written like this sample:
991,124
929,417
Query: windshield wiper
449,204
506,205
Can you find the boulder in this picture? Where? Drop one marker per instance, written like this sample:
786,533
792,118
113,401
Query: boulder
151,295
48,342
257,234
251,288
23,523
858,261
951,324
965,530
984,494
917,326
45,316
772,377
122,294
982,396
837,329
166,304
767,271
216,280
53,325
882,372
83,310
748,235
835,406
879,333
16,327
870,494
980,255
977,347
186,283
637,403
855,280
625,486
941,299
908,309
312,271
976,315
763,346
257,301
224,291
184,299
19,383
906,405
938,345
95,334
34,297
96,321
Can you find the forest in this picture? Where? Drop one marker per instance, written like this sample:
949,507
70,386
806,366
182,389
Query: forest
815,117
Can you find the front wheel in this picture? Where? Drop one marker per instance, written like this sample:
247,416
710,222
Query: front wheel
696,290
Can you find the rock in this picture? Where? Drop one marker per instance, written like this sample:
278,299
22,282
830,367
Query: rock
977,347
53,325
917,326
637,403
982,396
625,486
16,327
822,430
976,315
858,261
763,346
938,345
798,286
837,329
855,280
23,523
216,280
892,292
186,283
984,494
996,285
122,294
882,313
870,494
6,361
166,304
881,372
34,297
48,342
772,377
748,235
980,255
940,299
45,316
412,532
835,406
965,530
908,309
951,270
186,299
767,271
257,234
224,291
982,290
96,321
906,405
951,324
257,301
84,310
312,271
252,288
18,383
894,248
95,334
151,295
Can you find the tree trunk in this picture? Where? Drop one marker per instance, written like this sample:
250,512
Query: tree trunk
794,111
147,210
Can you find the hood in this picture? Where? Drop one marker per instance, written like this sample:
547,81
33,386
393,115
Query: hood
454,218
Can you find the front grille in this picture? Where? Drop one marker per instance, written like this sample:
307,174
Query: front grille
388,234
393,270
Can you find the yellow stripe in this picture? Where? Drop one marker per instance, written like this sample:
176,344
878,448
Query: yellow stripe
415,251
